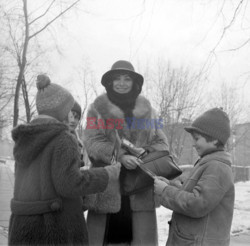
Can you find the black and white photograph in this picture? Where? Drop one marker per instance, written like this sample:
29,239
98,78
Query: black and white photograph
125,122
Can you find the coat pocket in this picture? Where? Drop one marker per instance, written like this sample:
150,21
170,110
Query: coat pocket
179,238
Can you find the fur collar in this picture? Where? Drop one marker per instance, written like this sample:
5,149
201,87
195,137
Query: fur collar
109,110
220,155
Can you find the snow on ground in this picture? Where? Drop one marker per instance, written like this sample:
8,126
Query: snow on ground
163,216
241,219
11,165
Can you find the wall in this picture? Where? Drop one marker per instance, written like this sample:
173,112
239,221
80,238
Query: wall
239,147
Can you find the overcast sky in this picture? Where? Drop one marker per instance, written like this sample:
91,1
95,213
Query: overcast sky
183,32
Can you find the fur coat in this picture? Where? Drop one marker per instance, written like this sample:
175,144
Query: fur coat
103,119
47,206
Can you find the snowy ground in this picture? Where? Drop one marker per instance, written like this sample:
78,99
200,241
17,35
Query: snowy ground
241,219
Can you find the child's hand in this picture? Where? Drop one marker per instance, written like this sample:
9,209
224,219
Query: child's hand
177,183
159,185
163,179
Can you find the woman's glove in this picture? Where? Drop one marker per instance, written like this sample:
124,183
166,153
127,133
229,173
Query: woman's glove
113,171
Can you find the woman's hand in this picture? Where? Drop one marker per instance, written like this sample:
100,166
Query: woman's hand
130,161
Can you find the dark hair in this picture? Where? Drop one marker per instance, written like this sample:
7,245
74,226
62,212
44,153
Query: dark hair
219,144
115,75
77,109
77,113
135,87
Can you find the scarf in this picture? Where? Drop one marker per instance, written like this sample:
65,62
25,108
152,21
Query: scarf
126,102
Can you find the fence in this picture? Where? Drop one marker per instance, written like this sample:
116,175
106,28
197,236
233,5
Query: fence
241,173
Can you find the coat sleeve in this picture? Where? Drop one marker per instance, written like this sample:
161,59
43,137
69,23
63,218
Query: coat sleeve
68,180
98,146
205,196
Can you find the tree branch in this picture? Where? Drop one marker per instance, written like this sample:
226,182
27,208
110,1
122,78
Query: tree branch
229,25
212,52
46,11
241,46
5,104
53,20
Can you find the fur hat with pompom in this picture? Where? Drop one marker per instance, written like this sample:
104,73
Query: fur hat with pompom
52,99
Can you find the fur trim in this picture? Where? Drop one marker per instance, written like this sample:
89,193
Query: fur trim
100,142
108,201
45,230
31,139
108,110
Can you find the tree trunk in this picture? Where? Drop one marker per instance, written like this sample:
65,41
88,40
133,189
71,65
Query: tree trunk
21,65
22,58
26,100
16,99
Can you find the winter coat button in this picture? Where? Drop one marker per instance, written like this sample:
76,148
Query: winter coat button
55,206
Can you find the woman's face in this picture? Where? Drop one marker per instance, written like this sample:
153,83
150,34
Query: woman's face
122,83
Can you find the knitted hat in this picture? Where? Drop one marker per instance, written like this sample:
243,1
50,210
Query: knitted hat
77,109
52,99
122,67
214,123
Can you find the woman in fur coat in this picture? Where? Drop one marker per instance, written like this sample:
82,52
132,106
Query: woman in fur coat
113,217
47,206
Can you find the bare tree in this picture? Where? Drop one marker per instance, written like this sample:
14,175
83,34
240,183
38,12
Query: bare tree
23,27
231,101
233,15
85,90
177,97
6,95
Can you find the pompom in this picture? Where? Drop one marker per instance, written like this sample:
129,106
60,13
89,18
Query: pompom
42,81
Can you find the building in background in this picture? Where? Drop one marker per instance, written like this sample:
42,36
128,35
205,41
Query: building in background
238,145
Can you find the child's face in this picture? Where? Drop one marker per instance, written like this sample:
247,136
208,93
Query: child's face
201,145
73,120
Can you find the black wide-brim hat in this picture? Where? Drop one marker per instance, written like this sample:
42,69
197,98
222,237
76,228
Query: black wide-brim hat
122,67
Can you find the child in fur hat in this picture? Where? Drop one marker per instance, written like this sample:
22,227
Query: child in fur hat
203,206
47,207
